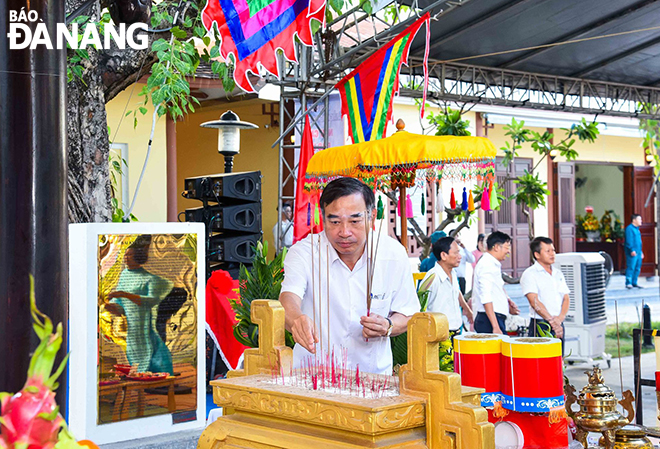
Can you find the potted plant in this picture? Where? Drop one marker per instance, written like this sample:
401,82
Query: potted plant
263,281
591,225
606,226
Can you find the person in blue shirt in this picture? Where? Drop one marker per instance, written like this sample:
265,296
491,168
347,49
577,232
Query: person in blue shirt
428,263
634,254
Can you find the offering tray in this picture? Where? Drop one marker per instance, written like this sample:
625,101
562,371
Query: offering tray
259,394
430,410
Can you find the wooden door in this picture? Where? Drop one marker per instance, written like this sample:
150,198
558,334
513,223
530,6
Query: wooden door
510,219
642,184
564,204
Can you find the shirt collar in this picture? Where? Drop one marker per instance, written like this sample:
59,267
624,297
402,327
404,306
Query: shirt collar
334,255
492,259
441,273
538,267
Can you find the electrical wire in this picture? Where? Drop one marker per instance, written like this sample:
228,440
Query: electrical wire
153,123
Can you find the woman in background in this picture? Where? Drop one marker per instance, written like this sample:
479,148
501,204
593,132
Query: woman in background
138,293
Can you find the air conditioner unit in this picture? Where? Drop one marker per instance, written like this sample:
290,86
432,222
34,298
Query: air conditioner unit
586,320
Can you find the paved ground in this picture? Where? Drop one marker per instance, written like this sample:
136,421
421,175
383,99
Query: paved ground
629,302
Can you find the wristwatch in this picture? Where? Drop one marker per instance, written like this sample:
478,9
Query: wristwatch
389,329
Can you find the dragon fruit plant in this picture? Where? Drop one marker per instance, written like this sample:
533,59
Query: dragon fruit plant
30,419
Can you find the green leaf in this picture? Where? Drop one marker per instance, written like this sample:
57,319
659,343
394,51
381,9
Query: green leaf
143,110
179,33
160,45
215,51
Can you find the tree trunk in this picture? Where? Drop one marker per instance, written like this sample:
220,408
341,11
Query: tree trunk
106,74
87,134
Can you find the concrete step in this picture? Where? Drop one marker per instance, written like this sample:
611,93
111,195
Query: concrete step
185,439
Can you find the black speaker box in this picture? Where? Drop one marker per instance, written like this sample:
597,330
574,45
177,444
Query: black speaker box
232,248
233,268
237,218
225,187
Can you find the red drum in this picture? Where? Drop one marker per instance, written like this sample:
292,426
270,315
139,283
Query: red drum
532,374
477,359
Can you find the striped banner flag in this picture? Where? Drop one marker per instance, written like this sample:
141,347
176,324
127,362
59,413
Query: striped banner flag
367,92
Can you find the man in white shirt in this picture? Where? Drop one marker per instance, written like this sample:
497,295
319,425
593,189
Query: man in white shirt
466,257
286,237
341,319
545,289
444,292
490,300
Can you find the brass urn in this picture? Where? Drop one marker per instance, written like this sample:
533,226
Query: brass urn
631,437
598,411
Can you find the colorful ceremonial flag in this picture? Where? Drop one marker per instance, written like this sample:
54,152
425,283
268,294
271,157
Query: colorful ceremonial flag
252,31
367,91
306,204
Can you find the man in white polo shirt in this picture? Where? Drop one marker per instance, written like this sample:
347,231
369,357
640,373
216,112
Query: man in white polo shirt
444,292
348,208
490,300
545,289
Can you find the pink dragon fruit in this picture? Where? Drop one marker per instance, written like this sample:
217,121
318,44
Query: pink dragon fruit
30,419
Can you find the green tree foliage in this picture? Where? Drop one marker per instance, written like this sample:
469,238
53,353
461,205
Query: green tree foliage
449,123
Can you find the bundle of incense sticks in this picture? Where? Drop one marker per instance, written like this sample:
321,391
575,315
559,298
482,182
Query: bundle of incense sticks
330,372
371,254
312,221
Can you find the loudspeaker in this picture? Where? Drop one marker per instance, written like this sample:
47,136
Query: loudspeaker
238,218
228,248
225,187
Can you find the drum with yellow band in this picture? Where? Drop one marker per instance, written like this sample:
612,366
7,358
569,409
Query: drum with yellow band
532,374
477,358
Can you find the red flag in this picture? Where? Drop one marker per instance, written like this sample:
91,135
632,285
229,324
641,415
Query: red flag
221,318
301,224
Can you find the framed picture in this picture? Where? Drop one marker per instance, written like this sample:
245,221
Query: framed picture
136,331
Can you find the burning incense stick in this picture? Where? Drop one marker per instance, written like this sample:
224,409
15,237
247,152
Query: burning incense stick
327,280
313,288
320,300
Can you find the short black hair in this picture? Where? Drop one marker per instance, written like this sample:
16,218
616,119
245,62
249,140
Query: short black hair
341,187
285,205
535,245
140,249
442,245
634,216
497,238
480,238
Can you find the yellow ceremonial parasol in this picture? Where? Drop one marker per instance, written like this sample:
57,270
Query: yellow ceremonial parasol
403,158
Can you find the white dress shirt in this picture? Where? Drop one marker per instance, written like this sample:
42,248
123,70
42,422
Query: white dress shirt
550,288
466,257
392,288
489,286
443,296
287,231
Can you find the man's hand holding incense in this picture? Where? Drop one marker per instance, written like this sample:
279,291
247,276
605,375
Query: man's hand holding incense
374,326
305,333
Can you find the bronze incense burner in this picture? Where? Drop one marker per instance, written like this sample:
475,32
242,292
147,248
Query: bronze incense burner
598,412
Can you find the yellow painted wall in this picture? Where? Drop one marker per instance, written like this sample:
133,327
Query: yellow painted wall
151,202
197,154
